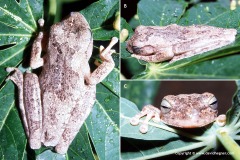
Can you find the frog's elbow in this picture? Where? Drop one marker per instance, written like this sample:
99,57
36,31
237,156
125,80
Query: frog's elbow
90,81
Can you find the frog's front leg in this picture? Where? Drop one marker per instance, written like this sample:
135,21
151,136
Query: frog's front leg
36,60
150,112
106,66
29,104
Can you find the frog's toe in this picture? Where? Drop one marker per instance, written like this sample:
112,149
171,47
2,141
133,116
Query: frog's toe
156,119
134,121
221,120
112,51
143,128
35,143
41,22
10,69
101,48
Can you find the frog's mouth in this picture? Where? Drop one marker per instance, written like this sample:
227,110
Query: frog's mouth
191,120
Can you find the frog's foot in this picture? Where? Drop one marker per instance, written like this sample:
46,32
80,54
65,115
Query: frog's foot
16,77
150,112
36,60
101,49
221,120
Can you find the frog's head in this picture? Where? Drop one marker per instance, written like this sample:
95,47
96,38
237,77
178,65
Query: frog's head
73,34
189,110
146,40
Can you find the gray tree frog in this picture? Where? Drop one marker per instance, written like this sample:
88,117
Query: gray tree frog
174,42
55,104
183,111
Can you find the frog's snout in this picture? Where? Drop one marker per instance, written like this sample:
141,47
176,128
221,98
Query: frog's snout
194,115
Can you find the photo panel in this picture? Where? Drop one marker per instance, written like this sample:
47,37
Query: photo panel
180,119
59,79
180,39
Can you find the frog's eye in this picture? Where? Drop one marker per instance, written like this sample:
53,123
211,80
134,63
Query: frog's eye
165,106
213,103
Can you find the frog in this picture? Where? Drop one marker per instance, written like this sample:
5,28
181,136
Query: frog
182,111
174,42
55,104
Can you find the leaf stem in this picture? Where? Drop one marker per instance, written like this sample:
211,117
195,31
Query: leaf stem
52,11
237,125
52,7
228,142
178,150
236,137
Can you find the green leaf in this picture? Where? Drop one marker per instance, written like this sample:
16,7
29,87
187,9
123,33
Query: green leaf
219,68
212,14
148,149
139,92
100,16
217,64
103,124
12,137
81,146
50,155
18,26
233,114
160,13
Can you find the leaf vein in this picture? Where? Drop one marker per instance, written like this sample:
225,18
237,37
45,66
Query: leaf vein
13,16
30,11
13,55
7,115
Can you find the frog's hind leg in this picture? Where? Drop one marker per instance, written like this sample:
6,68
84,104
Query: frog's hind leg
29,104
77,118
17,78
150,112
105,67
194,47
33,106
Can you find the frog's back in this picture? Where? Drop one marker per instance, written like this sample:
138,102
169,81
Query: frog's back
62,77
69,49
